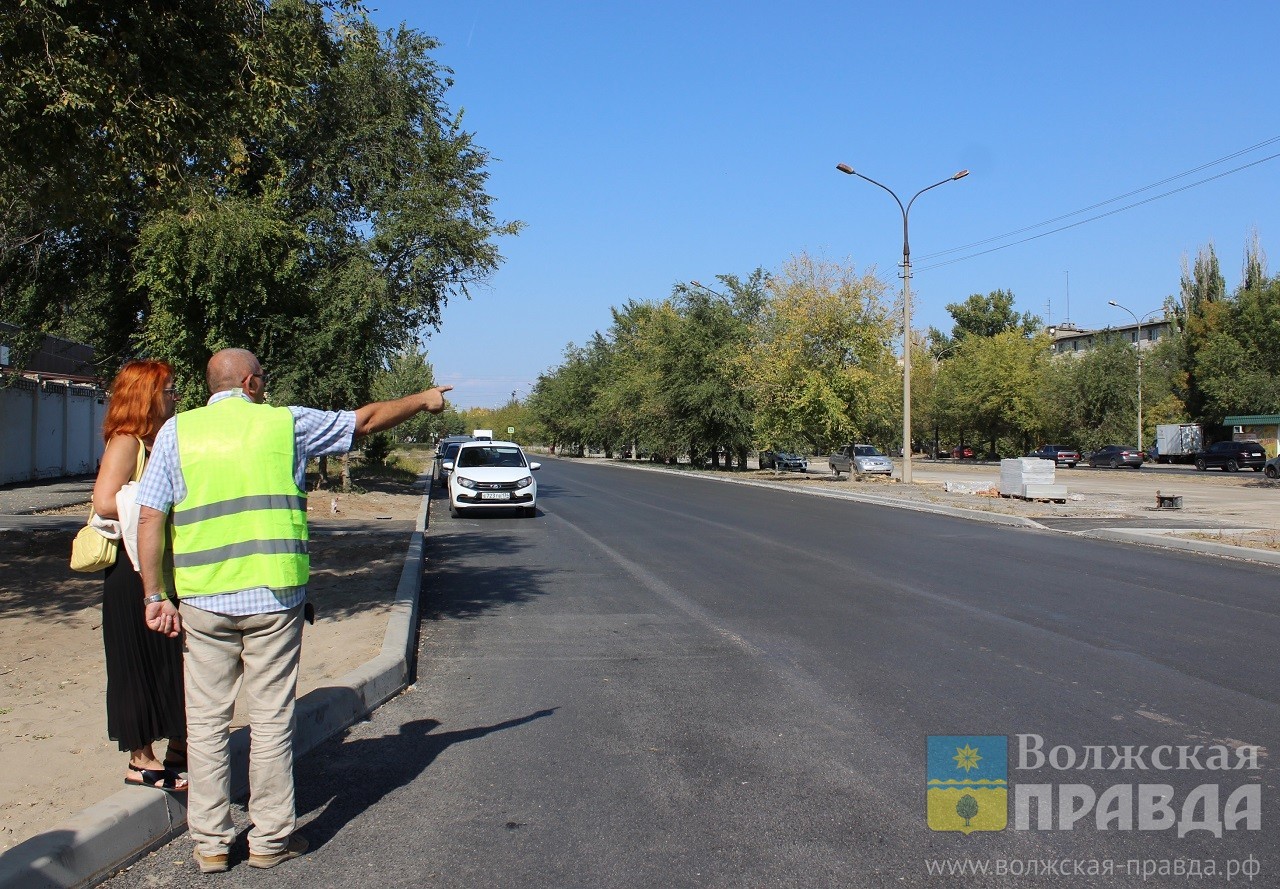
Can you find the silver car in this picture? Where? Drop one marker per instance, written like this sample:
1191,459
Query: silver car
868,461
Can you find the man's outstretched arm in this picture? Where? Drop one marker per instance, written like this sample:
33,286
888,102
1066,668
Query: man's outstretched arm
384,414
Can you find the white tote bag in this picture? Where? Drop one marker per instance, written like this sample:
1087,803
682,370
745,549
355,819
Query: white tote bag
127,510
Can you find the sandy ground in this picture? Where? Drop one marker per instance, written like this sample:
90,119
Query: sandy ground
53,743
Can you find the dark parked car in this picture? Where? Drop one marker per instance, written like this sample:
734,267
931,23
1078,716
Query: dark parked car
1272,469
1116,456
962,452
1059,454
447,450
783,461
1232,456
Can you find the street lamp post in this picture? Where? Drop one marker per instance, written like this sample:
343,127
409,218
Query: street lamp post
1137,321
906,306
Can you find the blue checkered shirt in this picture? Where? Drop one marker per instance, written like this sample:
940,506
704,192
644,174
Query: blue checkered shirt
315,434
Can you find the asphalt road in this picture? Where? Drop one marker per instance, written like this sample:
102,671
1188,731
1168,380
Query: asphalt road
667,681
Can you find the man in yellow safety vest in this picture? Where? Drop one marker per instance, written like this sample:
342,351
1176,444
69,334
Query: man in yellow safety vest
231,475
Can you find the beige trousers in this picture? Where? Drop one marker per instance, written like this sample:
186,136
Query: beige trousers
221,652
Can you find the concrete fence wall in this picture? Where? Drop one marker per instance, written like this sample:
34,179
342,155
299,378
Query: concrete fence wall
49,429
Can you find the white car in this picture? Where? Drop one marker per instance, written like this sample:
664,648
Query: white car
491,475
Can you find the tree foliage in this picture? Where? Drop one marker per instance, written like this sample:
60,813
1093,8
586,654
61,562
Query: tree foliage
809,357
408,371
821,369
993,387
275,175
985,316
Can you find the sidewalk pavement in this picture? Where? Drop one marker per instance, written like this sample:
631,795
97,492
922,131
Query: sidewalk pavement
110,835
32,497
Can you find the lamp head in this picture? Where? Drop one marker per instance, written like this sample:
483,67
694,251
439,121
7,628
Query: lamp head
1112,302
960,175
845,168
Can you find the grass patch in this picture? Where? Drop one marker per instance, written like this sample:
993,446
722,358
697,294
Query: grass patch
402,469
1254,539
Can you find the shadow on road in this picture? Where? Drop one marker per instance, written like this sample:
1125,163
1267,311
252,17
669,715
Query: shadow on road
364,771
462,580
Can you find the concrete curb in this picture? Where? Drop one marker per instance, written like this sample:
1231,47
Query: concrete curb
114,833
1171,540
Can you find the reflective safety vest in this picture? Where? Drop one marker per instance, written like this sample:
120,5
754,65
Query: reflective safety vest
243,523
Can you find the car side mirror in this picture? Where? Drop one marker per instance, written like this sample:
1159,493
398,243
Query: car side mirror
447,466
535,465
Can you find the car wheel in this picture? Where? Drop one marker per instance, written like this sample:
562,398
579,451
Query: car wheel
1272,472
1232,466
1200,464
1115,464
835,472
455,511
529,511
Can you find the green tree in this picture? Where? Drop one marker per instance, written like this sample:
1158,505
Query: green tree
563,401
1100,393
821,367
986,316
701,381
1203,312
407,372
992,386
277,175
113,113
967,808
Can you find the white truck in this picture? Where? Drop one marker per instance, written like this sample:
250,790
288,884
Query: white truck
482,434
1178,442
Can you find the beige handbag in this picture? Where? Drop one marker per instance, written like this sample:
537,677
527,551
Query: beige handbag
92,550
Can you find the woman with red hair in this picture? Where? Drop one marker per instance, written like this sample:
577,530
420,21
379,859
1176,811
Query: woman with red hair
145,700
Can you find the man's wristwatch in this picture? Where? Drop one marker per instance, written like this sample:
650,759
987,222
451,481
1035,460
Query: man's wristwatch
156,599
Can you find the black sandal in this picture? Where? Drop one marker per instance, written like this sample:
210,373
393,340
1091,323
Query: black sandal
174,763
157,779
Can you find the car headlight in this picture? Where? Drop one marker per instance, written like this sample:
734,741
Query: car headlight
465,482
525,482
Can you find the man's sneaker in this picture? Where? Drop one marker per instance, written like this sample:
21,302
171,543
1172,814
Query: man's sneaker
211,864
296,846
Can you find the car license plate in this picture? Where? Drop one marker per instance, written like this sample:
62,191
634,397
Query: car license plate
495,495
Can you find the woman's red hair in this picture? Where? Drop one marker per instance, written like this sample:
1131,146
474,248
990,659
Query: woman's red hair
137,399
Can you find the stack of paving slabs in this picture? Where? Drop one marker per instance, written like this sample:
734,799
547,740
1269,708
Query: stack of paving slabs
1030,478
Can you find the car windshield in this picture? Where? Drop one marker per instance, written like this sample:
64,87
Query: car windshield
491,456
866,451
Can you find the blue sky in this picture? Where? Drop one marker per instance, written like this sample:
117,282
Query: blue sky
648,144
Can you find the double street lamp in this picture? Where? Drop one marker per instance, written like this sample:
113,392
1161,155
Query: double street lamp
906,306
1137,321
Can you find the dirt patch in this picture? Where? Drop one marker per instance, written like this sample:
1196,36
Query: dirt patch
52,685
